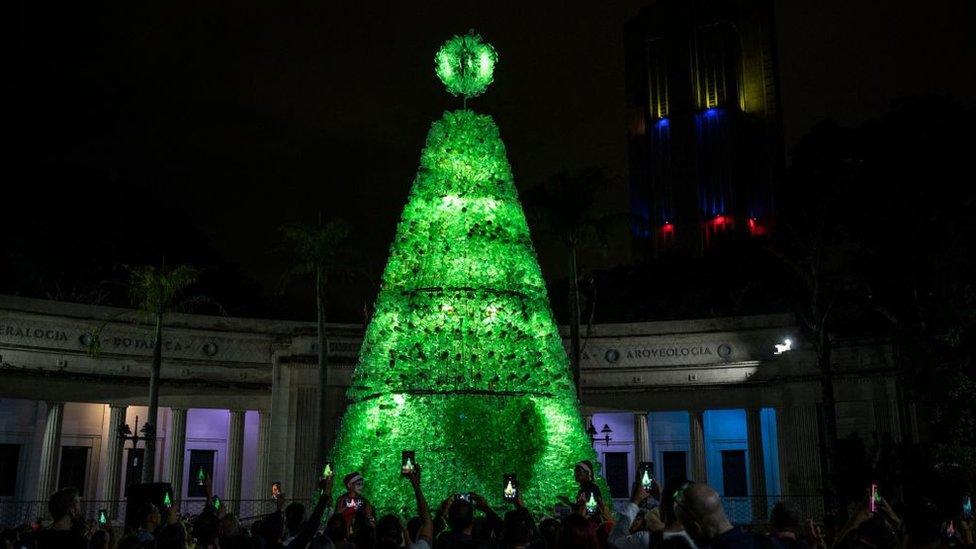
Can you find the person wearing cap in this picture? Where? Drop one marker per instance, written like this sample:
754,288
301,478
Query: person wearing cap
583,472
350,502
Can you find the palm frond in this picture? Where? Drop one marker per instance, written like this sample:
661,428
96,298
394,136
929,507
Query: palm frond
315,248
155,291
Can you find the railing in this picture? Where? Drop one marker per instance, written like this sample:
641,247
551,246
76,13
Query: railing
754,510
743,510
19,512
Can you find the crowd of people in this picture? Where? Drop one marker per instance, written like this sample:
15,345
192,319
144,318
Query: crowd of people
678,515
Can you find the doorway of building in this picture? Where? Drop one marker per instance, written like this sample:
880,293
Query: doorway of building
74,468
199,459
133,468
674,465
734,479
616,473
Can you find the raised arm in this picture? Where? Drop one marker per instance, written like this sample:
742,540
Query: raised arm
426,533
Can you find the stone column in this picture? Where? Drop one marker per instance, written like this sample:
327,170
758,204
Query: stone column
799,450
177,451
306,440
757,463
642,439
47,476
113,468
261,480
235,459
697,445
887,422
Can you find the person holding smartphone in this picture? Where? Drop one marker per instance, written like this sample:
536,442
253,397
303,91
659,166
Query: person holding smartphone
459,514
588,491
352,501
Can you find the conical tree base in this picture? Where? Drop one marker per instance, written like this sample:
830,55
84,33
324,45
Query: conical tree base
462,361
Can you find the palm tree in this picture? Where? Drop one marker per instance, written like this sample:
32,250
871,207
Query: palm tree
318,253
156,292
565,205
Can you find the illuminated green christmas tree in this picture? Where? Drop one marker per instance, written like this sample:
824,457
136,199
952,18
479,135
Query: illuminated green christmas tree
463,362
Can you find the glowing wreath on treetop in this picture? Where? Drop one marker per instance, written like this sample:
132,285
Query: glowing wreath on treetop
466,65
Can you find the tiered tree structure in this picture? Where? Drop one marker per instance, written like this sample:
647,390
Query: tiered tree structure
463,362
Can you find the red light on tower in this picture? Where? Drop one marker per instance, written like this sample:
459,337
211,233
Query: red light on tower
668,227
755,229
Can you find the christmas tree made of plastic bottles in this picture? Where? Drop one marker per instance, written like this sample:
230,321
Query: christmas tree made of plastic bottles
463,362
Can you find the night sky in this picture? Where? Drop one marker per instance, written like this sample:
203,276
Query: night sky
216,122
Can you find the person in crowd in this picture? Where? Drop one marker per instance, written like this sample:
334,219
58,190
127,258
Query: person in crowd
519,530
67,531
699,508
303,534
352,501
173,534
621,536
232,536
785,527
583,474
271,531
172,537
549,530
578,532
870,529
294,519
923,527
389,532
413,527
424,536
337,532
149,519
459,513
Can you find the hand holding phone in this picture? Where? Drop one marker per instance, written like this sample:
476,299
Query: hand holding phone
216,503
874,499
510,491
275,490
102,517
590,503
408,462
967,507
327,470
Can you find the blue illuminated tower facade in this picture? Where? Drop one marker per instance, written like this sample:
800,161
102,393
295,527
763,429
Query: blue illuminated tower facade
704,127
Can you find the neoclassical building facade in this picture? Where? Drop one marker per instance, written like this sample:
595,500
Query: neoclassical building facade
728,400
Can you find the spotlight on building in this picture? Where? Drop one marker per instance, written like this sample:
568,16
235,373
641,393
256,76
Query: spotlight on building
785,346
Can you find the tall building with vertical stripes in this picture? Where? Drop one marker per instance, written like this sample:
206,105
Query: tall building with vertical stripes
704,135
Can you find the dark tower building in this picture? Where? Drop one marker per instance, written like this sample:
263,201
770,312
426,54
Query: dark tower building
705,138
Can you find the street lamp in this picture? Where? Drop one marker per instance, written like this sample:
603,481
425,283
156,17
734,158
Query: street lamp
125,433
607,431
591,430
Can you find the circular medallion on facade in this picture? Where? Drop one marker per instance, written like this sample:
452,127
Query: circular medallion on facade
725,350
210,349
86,339
612,355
